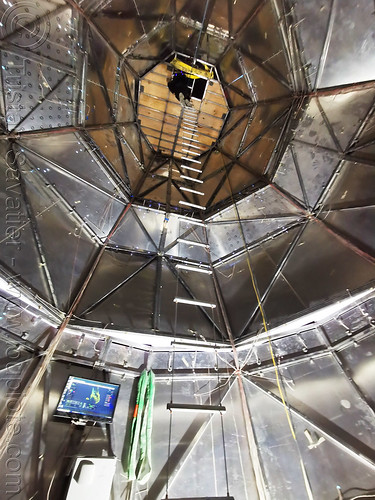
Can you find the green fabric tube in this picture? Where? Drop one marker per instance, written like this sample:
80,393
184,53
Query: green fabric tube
139,457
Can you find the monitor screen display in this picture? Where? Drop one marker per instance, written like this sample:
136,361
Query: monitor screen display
86,399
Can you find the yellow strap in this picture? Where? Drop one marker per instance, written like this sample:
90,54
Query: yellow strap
192,72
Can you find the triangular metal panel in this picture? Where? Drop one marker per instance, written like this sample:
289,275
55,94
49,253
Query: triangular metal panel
55,109
131,306
235,280
114,268
316,167
131,235
99,210
312,26
258,155
123,28
264,84
73,154
241,11
356,223
326,465
18,246
312,129
29,83
227,238
209,479
344,40
354,187
266,201
261,118
65,243
233,73
262,38
152,222
312,275
185,320
321,390
106,142
287,176
51,34
346,113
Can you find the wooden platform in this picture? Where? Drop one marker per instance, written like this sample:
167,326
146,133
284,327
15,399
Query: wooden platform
160,114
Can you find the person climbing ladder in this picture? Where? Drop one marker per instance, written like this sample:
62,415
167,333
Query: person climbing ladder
179,86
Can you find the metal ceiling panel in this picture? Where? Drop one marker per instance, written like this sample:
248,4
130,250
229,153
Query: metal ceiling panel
73,154
235,280
312,26
355,223
152,221
338,66
328,465
289,178
64,242
114,269
37,94
354,187
346,113
185,320
258,156
209,478
228,238
181,227
56,109
312,128
358,358
132,235
316,167
52,29
123,28
154,47
231,143
232,72
262,117
261,37
131,305
263,84
266,201
96,208
315,278
323,392
107,146
242,11
19,248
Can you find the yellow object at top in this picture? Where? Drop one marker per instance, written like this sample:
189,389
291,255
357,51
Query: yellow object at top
192,72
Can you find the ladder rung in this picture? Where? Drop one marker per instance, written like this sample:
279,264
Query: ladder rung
190,159
191,179
190,145
190,139
196,408
191,168
190,152
195,269
191,191
190,302
193,205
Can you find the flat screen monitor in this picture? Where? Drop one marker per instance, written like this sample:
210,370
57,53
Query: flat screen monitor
88,400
